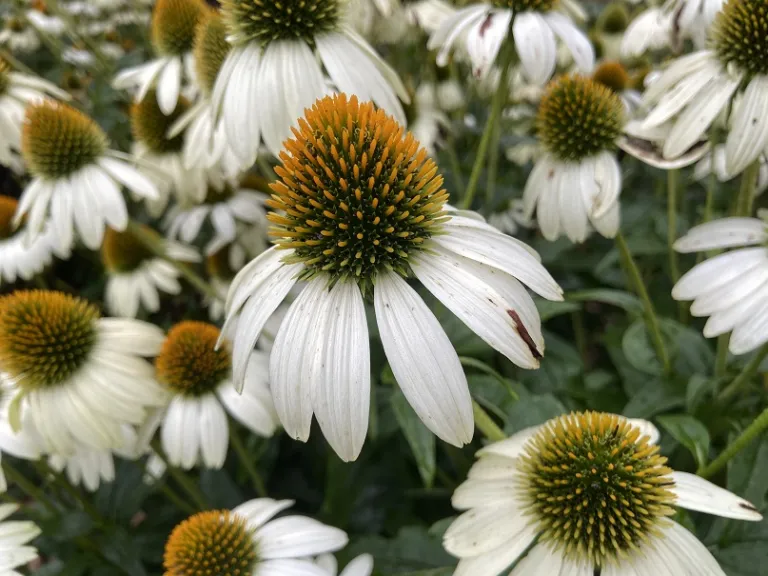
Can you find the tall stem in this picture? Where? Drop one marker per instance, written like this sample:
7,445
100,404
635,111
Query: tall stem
721,360
673,177
730,391
499,99
754,430
748,186
486,425
651,320
155,246
186,483
493,167
247,461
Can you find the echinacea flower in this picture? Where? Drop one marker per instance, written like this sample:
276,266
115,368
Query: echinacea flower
18,257
359,207
249,541
76,177
173,30
482,27
730,288
224,206
161,154
15,536
586,491
16,91
136,276
576,184
273,71
18,36
198,377
698,87
205,140
80,377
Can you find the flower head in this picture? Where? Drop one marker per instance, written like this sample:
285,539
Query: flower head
594,486
8,207
173,25
210,50
58,140
150,125
579,118
359,193
189,362
518,6
211,542
739,35
263,21
613,75
123,252
45,337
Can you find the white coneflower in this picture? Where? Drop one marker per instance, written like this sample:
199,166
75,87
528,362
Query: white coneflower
696,88
360,566
173,30
45,23
16,91
205,140
274,72
587,492
14,537
136,276
18,257
80,377
431,103
577,182
76,177
161,154
224,206
730,288
195,427
392,21
18,36
483,26
359,207
248,541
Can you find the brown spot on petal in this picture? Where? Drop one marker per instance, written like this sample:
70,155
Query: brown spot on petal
523,331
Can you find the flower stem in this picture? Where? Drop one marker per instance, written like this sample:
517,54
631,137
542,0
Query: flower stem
45,470
748,186
651,320
247,461
486,425
730,391
721,360
497,105
186,483
673,179
493,167
758,426
15,63
175,499
155,245
29,488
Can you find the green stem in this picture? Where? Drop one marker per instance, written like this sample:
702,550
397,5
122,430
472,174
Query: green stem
186,483
175,499
17,478
497,105
672,181
493,167
483,367
721,360
247,461
651,320
16,64
730,391
758,426
156,246
486,425
748,186
709,203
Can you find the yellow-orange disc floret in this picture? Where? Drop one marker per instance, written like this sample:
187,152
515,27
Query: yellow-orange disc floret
189,363
212,543
57,140
174,23
356,193
595,486
45,337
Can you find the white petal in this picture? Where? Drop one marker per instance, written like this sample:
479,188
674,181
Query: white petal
696,493
573,215
484,40
492,563
297,536
481,530
723,233
540,561
342,391
681,94
749,128
289,567
423,360
169,85
576,41
683,547
360,566
535,44
214,432
681,68
717,271
261,510
129,177
513,446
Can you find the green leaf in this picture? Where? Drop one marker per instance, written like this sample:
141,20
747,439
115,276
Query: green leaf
655,397
638,349
412,550
690,433
548,309
532,411
624,300
420,439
